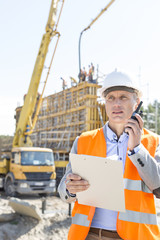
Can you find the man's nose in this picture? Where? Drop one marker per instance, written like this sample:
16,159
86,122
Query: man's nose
117,102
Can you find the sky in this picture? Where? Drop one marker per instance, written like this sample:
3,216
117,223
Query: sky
126,38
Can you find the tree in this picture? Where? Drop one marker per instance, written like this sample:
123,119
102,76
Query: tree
151,116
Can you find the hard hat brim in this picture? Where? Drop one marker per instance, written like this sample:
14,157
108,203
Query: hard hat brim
119,88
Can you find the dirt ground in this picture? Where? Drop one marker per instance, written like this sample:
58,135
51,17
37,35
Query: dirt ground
53,226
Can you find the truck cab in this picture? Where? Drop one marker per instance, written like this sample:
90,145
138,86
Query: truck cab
31,170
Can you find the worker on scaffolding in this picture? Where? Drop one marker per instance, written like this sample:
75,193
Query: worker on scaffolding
139,151
92,67
64,83
82,75
91,74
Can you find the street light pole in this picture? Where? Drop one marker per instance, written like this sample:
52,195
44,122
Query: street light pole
80,50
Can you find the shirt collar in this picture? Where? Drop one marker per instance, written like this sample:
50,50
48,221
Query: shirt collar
112,136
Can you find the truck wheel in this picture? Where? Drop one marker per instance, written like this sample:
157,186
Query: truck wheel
9,189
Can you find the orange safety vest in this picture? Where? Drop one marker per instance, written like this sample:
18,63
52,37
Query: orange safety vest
139,221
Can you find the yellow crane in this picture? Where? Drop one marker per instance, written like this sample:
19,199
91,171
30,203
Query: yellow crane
25,124
31,169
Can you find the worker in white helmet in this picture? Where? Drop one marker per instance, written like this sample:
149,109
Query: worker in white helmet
138,149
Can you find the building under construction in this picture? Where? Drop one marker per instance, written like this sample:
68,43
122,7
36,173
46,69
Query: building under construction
64,116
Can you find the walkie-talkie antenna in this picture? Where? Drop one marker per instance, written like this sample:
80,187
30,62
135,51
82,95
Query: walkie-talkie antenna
137,110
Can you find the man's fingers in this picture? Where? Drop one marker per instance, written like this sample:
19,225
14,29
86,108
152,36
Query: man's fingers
77,183
72,176
75,189
128,130
136,130
78,188
139,122
74,183
136,126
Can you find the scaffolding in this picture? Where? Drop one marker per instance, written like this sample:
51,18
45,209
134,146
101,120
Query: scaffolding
64,116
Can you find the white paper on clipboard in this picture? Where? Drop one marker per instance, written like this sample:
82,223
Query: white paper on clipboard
105,177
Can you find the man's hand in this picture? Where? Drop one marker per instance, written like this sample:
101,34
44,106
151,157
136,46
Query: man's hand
134,129
74,183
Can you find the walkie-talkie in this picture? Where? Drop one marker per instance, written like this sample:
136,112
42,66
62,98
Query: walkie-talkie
137,111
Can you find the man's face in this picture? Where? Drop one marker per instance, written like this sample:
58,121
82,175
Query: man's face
120,105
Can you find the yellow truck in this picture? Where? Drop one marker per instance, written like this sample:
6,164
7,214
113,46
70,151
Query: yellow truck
30,169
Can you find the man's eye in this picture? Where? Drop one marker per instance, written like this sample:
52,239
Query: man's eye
110,97
123,97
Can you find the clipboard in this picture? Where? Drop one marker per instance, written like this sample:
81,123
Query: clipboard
105,176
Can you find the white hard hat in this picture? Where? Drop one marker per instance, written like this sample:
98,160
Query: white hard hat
118,81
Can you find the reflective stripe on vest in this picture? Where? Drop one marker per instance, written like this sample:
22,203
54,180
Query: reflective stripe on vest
135,185
138,217
80,219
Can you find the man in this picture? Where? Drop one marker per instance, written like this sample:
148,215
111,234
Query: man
136,147
80,75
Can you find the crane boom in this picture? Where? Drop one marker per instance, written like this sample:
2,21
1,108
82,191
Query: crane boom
25,120
89,26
